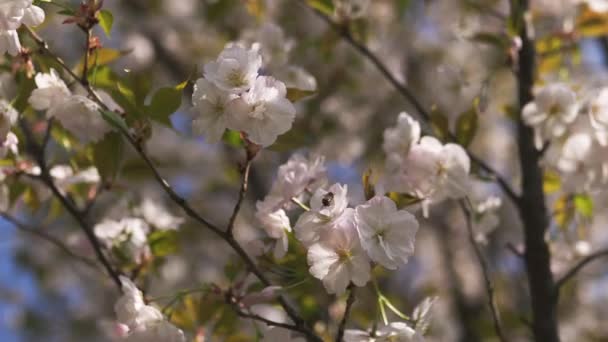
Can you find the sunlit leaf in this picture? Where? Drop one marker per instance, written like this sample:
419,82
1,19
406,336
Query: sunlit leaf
164,103
584,205
163,242
466,127
551,182
107,155
295,94
106,20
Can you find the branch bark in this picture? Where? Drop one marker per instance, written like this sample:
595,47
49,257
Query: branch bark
577,267
402,89
350,300
484,270
532,209
181,202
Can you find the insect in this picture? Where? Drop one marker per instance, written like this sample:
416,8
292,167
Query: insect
327,199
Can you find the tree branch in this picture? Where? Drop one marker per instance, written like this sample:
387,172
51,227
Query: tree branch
255,317
228,238
349,303
577,267
242,191
484,270
345,33
532,208
38,153
50,238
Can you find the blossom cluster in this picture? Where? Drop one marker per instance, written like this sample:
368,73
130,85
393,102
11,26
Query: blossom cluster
423,167
130,233
574,130
13,13
341,241
76,113
233,95
139,322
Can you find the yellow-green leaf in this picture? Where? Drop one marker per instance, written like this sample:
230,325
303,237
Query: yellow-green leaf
440,124
466,127
164,103
295,94
584,205
107,155
106,20
551,182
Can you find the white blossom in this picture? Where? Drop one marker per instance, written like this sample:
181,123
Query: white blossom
554,108
51,91
129,233
337,257
598,6
387,234
277,225
398,140
157,214
578,162
235,69
598,115
263,112
81,117
8,117
274,46
393,332
293,178
486,217
210,104
326,209
12,14
432,172
145,323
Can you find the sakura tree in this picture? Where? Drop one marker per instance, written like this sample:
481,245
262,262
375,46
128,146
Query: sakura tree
304,170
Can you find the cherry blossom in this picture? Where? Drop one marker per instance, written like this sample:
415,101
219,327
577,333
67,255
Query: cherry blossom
554,108
81,117
263,112
235,69
337,257
277,225
51,91
210,104
12,14
387,234
598,115
326,209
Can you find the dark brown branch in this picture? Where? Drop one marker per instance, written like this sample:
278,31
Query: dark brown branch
349,303
577,267
532,207
345,33
242,191
269,322
38,153
228,238
50,238
484,270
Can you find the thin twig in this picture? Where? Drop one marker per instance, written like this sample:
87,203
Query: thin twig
269,322
349,303
181,202
345,33
50,238
85,67
38,153
484,270
242,191
577,267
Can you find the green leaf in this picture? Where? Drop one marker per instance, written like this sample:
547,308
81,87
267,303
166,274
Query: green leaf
101,56
232,138
325,6
164,103
551,182
26,86
106,20
440,124
584,205
115,120
466,127
295,94
402,199
107,155
163,242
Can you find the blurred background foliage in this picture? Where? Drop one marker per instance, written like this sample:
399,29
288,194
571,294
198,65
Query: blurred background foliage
455,56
